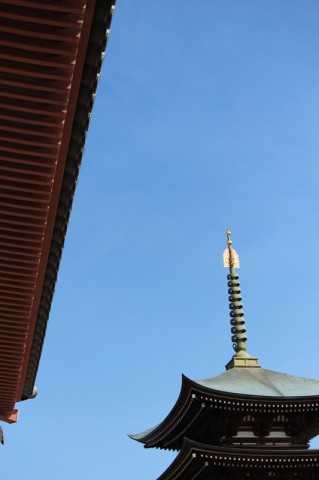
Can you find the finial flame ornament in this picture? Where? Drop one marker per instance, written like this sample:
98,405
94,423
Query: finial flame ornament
230,256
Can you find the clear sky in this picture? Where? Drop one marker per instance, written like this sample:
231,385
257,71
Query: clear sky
206,117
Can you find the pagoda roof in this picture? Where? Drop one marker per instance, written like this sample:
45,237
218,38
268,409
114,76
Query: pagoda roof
261,382
245,422
202,462
237,390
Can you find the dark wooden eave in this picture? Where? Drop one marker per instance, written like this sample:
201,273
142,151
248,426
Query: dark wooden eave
197,406
50,58
205,462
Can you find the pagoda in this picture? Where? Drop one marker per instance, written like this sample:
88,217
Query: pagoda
246,423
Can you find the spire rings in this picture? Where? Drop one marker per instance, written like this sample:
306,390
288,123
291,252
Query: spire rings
238,329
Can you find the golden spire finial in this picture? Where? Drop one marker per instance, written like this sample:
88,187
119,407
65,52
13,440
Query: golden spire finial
230,256
228,234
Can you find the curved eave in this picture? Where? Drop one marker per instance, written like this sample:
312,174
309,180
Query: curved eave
251,399
201,461
154,436
194,398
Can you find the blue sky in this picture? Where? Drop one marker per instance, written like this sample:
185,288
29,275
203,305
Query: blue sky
206,117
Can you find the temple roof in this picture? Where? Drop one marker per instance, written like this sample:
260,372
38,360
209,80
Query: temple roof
261,382
238,389
51,58
245,422
203,462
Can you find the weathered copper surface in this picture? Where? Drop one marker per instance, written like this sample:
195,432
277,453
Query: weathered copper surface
262,382
208,410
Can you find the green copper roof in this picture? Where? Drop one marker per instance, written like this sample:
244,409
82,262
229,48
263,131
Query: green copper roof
259,381
255,382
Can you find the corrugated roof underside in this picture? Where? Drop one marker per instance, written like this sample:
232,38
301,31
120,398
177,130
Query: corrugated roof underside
99,34
38,48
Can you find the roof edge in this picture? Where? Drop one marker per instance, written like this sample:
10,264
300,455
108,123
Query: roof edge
151,436
101,22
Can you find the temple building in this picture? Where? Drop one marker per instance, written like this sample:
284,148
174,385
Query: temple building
246,423
51,55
